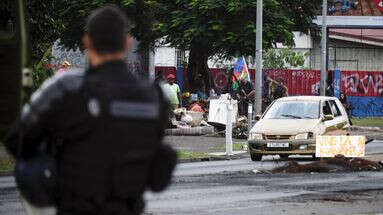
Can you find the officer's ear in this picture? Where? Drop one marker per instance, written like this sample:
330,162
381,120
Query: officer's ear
86,42
128,42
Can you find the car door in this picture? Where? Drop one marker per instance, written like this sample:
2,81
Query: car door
329,125
339,119
346,120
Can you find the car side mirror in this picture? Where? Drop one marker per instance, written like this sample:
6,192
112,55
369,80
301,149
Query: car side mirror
257,117
328,117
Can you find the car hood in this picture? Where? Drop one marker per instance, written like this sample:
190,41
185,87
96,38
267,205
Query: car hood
285,126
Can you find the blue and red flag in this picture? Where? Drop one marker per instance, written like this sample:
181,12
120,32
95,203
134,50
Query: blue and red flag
240,70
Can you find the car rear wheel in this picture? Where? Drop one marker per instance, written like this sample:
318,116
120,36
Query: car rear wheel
256,157
284,156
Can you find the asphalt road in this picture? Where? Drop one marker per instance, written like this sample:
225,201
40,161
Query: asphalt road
247,193
233,187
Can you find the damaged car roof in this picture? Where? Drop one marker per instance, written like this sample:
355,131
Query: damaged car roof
306,98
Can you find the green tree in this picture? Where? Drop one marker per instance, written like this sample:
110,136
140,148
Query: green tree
283,59
45,23
228,27
204,27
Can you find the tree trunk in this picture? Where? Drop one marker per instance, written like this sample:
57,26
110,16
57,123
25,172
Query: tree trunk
198,69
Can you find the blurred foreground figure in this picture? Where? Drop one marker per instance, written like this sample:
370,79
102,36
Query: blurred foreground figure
105,125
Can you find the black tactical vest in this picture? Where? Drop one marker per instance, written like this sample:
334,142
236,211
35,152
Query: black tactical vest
110,134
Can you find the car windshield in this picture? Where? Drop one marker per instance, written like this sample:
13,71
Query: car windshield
293,110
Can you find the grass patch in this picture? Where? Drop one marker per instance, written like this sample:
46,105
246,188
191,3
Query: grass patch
7,165
368,121
182,154
236,147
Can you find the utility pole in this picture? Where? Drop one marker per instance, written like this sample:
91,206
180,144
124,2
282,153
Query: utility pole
258,50
323,71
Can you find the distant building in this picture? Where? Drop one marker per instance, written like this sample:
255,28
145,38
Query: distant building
351,49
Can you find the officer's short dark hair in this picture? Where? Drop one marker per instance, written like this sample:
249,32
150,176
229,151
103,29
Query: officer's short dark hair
107,28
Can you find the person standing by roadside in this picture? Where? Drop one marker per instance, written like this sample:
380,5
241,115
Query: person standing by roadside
346,105
173,92
108,124
245,95
159,78
280,90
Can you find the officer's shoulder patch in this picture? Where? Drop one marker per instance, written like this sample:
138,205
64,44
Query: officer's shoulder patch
94,107
137,110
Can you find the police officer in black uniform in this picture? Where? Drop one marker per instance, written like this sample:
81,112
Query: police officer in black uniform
109,125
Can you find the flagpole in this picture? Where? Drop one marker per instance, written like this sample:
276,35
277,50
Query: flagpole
246,68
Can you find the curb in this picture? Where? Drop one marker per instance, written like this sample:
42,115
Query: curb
6,174
211,158
194,131
363,128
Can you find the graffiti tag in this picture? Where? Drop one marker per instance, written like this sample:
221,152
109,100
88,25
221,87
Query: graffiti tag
370,84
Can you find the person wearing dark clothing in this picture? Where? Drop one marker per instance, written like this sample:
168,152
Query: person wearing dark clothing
109,124
160,78
280,91
343,100
267,92
245,96
346,105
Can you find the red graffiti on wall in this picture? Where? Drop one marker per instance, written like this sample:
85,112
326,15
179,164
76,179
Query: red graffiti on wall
360,83
298,82
219,78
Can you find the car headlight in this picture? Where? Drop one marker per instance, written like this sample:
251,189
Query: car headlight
255,136
303,136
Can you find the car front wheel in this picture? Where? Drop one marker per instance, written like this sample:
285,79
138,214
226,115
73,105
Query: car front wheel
256,157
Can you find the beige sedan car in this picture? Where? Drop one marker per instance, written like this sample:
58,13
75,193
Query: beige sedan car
290,124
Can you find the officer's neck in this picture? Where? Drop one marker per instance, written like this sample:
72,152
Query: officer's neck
96,59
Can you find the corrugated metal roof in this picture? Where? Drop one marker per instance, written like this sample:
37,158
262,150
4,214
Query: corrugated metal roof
375,35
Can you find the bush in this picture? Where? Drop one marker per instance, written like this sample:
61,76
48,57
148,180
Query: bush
40,75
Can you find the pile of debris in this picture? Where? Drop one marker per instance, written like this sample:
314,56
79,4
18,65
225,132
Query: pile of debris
183,118
189,122
337,164
194,118
240,128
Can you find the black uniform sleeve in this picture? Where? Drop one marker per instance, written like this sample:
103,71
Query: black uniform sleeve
26,135
165,158
162,169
